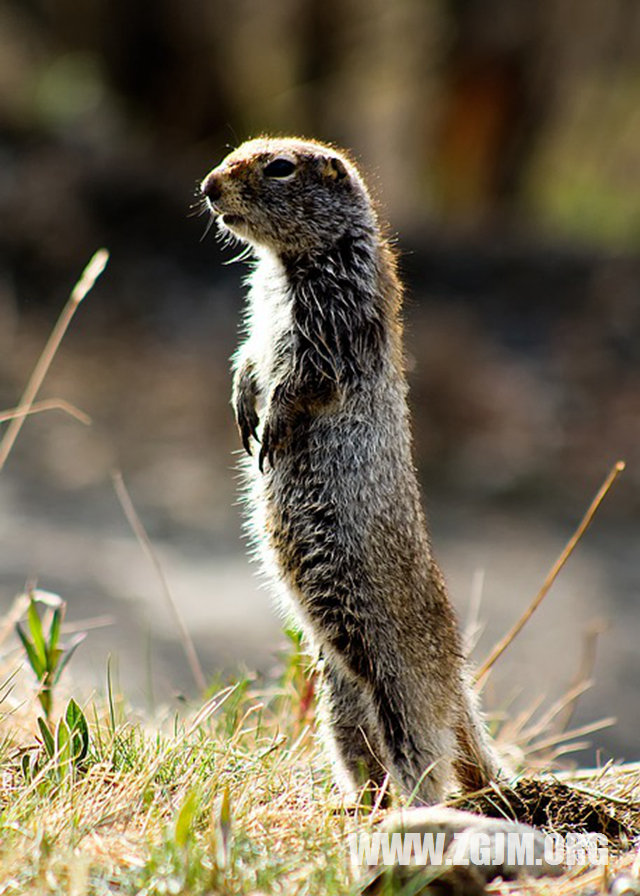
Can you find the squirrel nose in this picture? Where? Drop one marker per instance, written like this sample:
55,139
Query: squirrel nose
211,186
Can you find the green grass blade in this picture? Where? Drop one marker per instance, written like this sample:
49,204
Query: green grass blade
112,709
68,653
47,737
54,632
35,630
64,748
186,818
38,667
77,722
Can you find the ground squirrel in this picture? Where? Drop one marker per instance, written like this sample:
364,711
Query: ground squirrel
319,386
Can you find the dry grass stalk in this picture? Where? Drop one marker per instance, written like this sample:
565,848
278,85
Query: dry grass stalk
515,630
86,282
145,543
564,736
49,404
583,677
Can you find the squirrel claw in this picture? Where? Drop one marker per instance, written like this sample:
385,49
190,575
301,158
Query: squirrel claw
247,424
266,449
246,444
273,436
246,433
261,458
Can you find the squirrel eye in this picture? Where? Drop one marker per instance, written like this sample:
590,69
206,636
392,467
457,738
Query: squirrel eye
279,168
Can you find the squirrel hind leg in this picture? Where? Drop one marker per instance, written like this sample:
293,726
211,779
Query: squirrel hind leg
350,732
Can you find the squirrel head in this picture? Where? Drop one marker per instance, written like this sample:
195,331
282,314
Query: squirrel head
288,195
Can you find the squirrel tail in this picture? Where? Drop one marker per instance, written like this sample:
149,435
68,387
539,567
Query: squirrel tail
476,763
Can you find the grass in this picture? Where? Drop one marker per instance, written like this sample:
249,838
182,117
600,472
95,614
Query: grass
233,795
232,798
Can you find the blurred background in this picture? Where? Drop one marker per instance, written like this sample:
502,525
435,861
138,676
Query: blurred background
502,139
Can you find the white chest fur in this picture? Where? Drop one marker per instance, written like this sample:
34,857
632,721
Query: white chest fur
269,319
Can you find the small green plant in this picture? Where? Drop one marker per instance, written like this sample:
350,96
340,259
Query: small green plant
47,656
66,745
65,749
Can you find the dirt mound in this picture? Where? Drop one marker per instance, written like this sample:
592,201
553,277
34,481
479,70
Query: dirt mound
559,807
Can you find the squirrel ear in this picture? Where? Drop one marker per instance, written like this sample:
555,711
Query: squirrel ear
335,168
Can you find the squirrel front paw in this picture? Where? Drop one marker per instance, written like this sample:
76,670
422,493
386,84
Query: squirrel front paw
275,434
247,419
278,424
244,400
